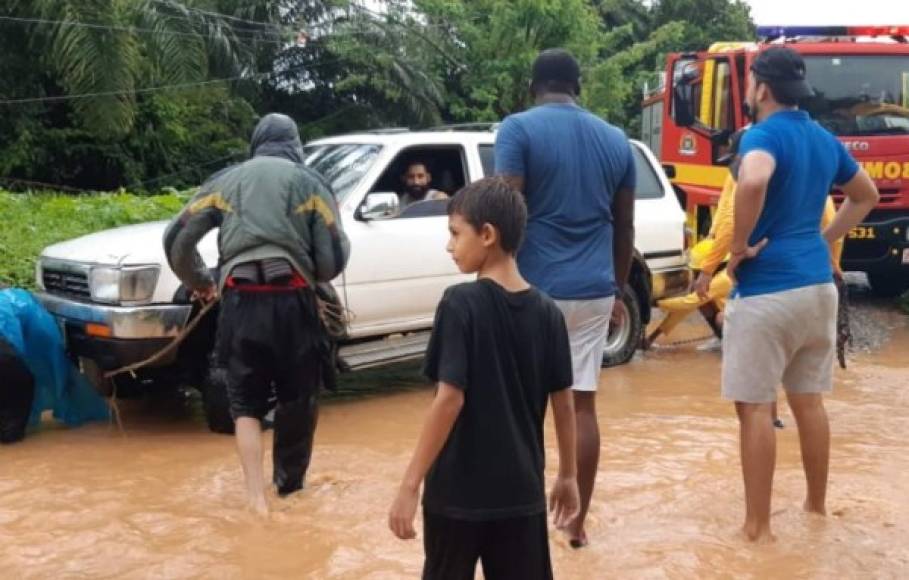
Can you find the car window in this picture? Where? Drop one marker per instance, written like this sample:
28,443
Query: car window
342,165
444,163
647,184
488,160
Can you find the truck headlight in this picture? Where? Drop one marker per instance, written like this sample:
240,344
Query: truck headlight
113,285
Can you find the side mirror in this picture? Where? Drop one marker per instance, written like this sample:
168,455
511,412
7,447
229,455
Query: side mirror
669,170
379,205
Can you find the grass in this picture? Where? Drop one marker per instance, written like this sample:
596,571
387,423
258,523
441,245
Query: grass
29,222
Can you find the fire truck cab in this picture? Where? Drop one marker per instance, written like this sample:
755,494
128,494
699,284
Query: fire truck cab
860,76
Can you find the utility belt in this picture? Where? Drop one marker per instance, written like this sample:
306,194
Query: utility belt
270,275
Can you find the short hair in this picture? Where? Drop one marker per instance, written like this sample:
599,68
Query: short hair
413,162
493,201
780,95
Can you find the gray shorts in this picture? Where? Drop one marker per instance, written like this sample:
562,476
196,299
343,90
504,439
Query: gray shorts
786,338
588,327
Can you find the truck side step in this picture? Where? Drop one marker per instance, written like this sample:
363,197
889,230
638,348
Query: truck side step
389,350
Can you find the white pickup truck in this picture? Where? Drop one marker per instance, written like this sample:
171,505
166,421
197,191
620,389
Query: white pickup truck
118,301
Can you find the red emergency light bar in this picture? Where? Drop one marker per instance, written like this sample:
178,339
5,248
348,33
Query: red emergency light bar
792,31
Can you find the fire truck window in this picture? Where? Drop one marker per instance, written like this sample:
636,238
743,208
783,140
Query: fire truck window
723,117
647,184
689,73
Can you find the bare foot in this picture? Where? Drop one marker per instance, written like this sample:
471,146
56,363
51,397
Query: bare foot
820,510
758,534
576,539
259,506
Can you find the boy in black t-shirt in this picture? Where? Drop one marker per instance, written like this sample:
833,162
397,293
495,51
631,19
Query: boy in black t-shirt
499,352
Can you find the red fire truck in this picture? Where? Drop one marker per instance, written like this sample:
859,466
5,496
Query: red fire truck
861,79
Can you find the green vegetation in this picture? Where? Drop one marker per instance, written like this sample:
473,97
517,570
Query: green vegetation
143,94
33,221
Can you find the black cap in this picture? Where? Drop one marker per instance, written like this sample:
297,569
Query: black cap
784,70
557,65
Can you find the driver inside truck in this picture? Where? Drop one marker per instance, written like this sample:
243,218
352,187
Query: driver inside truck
417,181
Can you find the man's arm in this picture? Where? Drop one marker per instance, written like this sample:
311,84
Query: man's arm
722,229
204,213
510,147
444,411
564,501
750,194
861,197
623,235
330,246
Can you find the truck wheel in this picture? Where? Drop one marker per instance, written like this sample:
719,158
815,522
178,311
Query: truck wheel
888,284
215,404
95,375
624,338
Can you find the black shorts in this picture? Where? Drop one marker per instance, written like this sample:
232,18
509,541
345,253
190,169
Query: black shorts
509,549
272,345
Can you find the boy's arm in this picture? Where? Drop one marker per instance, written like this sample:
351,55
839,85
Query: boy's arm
564,501
444,411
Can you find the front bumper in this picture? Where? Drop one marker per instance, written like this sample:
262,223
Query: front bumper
115,336
123,322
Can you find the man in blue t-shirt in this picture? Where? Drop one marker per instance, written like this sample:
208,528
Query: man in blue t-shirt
781,325
577,174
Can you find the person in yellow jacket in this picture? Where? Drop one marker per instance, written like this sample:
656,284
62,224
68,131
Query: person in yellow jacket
709,256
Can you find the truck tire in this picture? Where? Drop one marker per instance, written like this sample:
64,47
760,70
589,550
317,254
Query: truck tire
888,284
215,403
625,338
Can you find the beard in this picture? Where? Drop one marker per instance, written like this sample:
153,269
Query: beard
417,191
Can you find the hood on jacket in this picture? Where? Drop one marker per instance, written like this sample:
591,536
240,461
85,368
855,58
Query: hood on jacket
277,135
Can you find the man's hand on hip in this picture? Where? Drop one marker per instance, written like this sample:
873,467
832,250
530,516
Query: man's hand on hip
740,256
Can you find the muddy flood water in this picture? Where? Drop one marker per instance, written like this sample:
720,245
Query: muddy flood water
164,499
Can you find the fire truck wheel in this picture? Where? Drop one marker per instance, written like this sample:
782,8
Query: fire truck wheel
623,339
888,284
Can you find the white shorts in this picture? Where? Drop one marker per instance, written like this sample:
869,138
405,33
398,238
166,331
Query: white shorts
786,338
588,327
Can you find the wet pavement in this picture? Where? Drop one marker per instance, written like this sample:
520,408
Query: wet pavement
164,498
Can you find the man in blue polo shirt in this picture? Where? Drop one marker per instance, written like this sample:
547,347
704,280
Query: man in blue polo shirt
781,326
578,175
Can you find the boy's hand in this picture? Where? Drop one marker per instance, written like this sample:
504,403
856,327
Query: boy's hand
564,502
403,512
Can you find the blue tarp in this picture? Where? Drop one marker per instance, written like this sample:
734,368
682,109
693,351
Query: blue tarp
35,336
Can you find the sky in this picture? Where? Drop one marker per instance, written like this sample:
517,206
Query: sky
829,12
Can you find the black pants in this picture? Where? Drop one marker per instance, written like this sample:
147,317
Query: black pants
509,549
272,345
17,391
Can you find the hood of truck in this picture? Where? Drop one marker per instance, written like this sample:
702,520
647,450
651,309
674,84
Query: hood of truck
138,244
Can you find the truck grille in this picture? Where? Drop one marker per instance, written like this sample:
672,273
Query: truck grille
61,282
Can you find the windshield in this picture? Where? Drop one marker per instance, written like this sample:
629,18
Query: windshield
342,165
859,95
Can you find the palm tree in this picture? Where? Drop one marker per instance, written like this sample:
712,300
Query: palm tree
109,51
